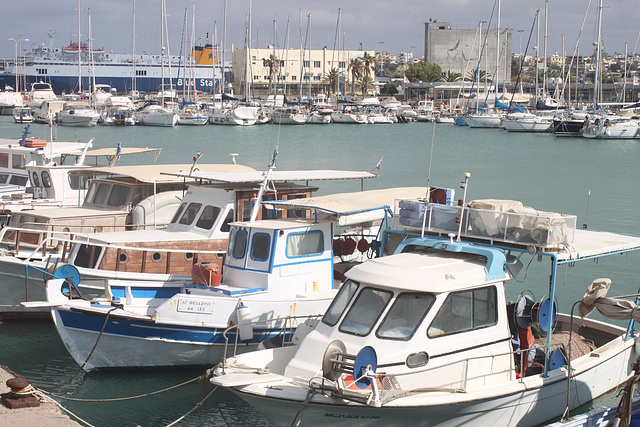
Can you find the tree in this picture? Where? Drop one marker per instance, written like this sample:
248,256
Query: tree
424,72
471,75
369,62
364,83
356,67
331,79
452,76
389,89
273,65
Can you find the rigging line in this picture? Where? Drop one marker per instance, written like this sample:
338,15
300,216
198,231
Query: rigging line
522,59
120,399
104,325
198,405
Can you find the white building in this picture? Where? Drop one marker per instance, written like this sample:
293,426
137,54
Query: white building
296,71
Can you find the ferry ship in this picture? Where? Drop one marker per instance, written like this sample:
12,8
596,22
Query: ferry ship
59,67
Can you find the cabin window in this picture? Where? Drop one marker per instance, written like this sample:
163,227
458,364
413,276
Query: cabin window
17,161
4,160
46,179
296,213
240,244
226,225
35,181
3,178
260,247
208,217
75,182
340,302
101,194
18,180
267,211
231,240
87,256
365,311
304,244
118,196
405,315
190,213
178,213
465,311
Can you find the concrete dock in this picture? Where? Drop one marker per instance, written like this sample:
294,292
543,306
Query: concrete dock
47,414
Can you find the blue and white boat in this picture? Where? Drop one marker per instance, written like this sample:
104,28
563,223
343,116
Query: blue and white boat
425,336
276,272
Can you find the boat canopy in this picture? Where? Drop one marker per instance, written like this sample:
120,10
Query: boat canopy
157,173
277,176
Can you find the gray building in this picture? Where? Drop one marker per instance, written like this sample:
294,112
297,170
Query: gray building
460,51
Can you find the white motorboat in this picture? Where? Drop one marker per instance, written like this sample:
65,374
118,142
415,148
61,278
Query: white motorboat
46,112
289,115
40,92
426,335
349,114
22,115
153,114
77,113
241,115
10,100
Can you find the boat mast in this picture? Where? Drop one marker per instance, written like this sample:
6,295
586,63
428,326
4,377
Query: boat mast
224,43
79,52
162,51
538,97
544,67
93,69
596,78
247,77
497,79
133,76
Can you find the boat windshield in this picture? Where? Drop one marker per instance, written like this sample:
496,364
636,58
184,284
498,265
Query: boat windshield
405,315
365,311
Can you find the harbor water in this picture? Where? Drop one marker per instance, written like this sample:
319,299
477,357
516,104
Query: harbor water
597,180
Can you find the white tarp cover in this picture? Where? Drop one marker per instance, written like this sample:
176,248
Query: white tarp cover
612,308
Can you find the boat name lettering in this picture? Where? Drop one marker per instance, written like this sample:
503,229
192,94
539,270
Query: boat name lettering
193,306
361,417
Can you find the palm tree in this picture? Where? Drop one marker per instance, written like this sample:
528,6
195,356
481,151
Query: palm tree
357,67
331,79
273,64
452,76
364,83
471,75
369,62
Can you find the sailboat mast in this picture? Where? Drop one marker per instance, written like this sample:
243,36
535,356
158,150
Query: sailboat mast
224,48
162,51
544,68
133,77
247,79
596,79
93,70
497,79
79,53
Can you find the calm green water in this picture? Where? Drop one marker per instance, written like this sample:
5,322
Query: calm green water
543,171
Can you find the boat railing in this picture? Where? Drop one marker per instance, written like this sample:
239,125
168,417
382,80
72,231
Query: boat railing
64,244
517,225
287,334
47,238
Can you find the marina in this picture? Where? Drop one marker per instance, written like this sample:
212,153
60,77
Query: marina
571,175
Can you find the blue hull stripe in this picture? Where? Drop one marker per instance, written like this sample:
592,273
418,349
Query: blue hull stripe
93,322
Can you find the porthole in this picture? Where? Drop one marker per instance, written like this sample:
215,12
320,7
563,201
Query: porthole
156,257
123,258
65,230
189,256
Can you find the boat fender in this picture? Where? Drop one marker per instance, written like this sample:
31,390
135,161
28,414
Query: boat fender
363,245
349,245
245,328
338,247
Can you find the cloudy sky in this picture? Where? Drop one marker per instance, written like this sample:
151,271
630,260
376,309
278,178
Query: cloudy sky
395,26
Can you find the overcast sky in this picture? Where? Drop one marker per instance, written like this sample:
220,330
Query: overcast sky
395,26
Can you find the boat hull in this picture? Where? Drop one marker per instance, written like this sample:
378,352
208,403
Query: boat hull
530,402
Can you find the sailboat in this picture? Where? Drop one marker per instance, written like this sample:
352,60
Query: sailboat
189,113
157,113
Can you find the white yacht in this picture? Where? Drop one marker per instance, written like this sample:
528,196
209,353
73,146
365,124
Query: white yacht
77,113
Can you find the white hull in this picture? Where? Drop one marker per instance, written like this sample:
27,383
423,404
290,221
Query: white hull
239,116
340,117
77,119
617,131
529,402
192,120
483,121
158,117
527,124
